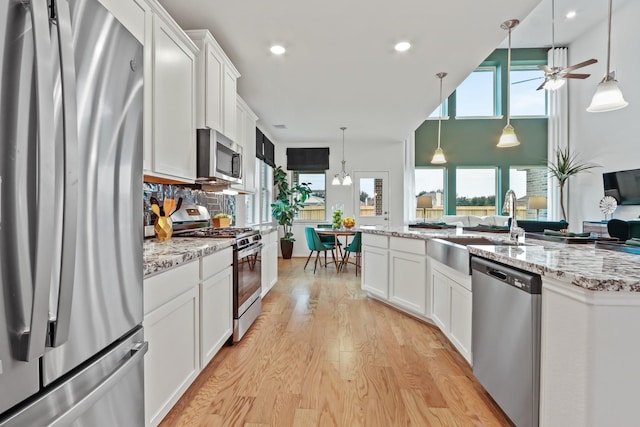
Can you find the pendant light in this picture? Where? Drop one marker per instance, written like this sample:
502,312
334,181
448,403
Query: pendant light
508,137
438,156
344,178
608,96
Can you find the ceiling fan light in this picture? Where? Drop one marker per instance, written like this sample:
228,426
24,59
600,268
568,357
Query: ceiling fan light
554,83
608,97
336,180
438,157
347,180
508,137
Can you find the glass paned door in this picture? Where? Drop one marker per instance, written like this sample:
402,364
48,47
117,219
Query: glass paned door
371,204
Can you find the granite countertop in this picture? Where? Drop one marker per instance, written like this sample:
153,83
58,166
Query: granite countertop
578,264
160,256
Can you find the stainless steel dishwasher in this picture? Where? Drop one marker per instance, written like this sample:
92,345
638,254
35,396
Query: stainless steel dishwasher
505,338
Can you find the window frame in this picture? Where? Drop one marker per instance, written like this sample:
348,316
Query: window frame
293,181
482,69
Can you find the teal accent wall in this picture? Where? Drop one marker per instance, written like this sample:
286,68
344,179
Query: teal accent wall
472,142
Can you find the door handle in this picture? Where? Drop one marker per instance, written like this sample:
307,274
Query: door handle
33,338
62,320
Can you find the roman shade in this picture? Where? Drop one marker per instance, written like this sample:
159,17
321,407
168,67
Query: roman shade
308,159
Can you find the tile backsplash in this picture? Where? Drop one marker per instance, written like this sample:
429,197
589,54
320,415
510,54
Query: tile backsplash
214,202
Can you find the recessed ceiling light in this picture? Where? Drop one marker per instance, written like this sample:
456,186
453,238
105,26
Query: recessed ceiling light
403,46
276,49
571,14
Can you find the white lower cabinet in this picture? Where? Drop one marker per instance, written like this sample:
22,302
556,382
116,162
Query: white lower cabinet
451,305
172,329
408,274
375,269
269,260
216,304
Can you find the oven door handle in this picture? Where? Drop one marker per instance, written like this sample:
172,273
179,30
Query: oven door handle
250,251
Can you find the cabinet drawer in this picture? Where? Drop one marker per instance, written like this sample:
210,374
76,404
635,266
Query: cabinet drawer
216,262
166,286
375,240
412,246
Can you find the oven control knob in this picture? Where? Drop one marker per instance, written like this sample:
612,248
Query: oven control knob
244,242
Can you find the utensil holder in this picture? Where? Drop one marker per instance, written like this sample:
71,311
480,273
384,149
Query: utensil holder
163,227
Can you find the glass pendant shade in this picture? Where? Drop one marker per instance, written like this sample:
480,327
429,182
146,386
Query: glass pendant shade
554,83
336,180
346,180
508,137
608,97
438,157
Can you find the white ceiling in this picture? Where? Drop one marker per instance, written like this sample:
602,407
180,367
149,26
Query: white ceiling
340,68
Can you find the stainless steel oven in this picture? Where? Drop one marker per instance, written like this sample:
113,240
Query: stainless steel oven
247,283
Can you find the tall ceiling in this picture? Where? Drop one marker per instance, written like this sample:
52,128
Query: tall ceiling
340,68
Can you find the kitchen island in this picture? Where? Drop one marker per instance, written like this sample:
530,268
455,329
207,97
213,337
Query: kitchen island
590,315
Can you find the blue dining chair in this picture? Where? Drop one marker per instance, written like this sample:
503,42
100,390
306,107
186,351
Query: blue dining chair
354,247
316,245
328,240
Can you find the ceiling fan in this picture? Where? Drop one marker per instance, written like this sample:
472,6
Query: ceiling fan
555,77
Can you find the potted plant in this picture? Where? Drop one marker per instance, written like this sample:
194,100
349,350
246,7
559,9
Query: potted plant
289,200
221,220
566,165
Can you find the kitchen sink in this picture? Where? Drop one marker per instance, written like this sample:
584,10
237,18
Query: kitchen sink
452,251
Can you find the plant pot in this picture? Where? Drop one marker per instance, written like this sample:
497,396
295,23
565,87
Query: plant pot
286,247
221,222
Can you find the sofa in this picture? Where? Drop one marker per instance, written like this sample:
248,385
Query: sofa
539,226
475,221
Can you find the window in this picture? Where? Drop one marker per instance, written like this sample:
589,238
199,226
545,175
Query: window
430,182
530,185
313,208
445,110
265,172
526,100
475,97
476,191
249,204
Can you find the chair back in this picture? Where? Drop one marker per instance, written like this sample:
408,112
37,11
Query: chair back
324,226
356,243
313,240
619,229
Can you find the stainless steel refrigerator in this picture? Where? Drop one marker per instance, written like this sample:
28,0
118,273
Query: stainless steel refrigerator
71,97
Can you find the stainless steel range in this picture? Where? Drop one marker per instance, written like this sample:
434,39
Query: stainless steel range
247,273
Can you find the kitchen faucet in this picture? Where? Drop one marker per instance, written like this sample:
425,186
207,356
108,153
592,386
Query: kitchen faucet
510,208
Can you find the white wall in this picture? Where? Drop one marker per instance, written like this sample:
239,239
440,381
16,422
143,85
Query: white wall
360,157
610,139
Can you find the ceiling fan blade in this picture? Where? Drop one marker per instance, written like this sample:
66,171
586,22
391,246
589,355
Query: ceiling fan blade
576,76
542,85
527,80
546,69
580,65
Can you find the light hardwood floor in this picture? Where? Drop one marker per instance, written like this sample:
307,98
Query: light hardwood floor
323,354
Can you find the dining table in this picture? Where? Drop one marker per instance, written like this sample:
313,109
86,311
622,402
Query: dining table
337,233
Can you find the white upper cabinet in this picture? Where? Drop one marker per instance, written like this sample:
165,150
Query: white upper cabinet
246,137
216,84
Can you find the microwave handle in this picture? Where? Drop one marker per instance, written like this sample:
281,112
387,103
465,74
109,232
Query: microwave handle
236,165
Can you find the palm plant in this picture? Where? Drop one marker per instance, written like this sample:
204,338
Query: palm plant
565,166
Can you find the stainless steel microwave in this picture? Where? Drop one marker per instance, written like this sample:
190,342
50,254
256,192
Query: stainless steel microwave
219,157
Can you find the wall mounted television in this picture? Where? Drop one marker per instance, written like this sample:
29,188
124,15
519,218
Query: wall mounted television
624,186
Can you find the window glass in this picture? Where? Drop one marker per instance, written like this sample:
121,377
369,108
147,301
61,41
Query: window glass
430,182
526,100
475,97
371,200
314,208
476,191
266,191
249,203
530,186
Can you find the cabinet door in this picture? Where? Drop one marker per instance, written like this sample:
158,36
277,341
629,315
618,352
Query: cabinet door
216,314
214,89
461,307
174,139
229,99
269,263
172,362
375,271
408,281
441,300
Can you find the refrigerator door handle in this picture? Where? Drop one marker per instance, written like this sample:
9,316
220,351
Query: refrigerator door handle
60,326
135,356
32,340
